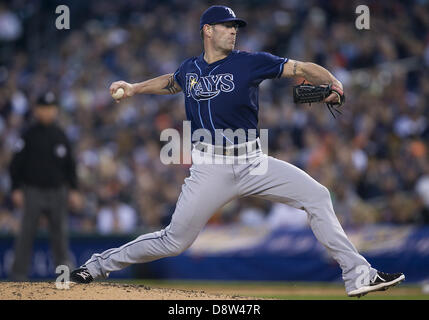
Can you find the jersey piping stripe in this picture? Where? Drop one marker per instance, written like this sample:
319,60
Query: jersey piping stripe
195,62
129,244
199,113
199,107
175,76
210,112
282,67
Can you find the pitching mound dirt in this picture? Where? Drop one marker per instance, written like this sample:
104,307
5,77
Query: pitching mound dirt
101,291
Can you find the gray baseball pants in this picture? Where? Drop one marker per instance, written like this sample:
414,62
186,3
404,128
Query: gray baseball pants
38,201
211,186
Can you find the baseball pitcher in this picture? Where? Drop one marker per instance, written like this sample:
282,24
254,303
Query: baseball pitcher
220,88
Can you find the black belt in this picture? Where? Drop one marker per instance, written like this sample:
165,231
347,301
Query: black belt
231,150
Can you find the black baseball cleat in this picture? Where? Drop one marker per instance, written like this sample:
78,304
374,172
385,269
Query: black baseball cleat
81,275
381,282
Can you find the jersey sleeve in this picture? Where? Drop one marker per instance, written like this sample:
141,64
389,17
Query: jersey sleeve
178,78
180,75
264,65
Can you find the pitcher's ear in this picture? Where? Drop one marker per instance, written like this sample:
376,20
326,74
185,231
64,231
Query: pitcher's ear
208,29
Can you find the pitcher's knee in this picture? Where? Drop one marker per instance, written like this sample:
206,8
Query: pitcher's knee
178,248
324,192
176,243
320,194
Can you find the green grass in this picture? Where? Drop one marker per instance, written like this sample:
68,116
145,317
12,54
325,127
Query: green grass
284,290
344,297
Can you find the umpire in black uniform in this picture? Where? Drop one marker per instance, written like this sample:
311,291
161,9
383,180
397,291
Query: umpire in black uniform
43,175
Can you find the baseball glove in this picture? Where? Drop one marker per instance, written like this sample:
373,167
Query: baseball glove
307,93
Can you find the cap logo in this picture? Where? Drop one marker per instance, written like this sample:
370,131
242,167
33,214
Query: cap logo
230,12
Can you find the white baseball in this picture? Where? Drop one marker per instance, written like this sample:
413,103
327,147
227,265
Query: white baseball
118,94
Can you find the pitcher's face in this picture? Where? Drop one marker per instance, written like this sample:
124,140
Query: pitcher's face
224,35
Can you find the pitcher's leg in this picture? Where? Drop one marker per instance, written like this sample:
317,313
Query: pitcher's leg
204,192
170,241
288,184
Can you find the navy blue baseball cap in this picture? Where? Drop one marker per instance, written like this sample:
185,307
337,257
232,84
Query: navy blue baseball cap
219,14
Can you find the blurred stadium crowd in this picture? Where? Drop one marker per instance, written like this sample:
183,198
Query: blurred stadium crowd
374,158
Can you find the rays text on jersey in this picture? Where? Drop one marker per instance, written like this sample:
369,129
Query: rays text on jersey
208,87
